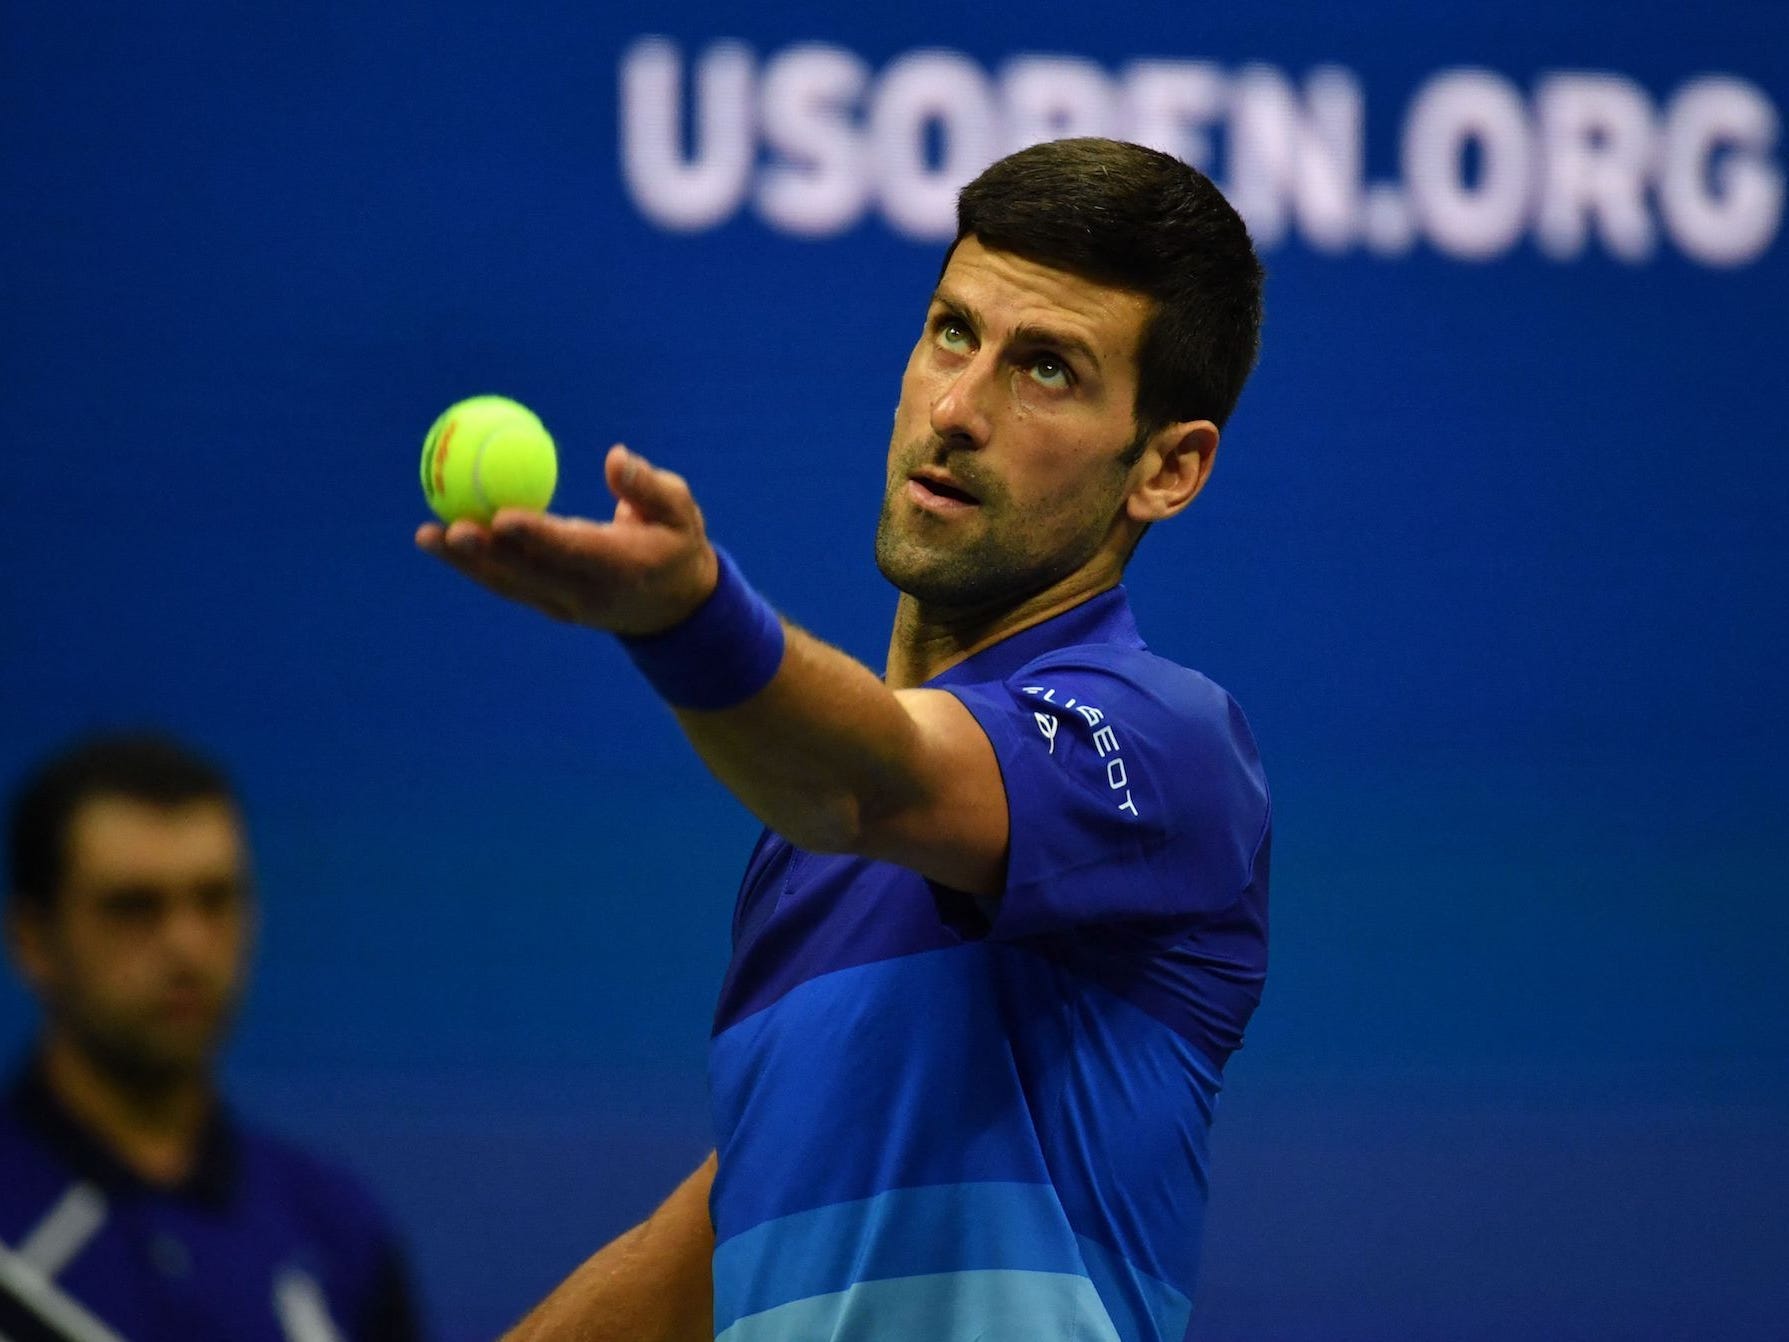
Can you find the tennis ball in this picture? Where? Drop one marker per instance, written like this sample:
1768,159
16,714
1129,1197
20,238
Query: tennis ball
487,453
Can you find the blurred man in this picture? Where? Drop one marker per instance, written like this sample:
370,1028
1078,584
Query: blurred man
133,1204
1009,917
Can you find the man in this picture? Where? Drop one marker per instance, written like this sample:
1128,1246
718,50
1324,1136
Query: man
1008,918
132,1203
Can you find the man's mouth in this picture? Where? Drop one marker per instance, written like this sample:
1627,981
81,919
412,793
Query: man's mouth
939,493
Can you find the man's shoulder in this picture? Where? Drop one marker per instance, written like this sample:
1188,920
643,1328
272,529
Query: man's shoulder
259,1208
1125,662
1144,685
32,1171
325,1192
39,1156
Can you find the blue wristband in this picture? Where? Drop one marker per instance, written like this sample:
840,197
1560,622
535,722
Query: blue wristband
720,656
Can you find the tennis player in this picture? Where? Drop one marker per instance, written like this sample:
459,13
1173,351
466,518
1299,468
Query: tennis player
1008,917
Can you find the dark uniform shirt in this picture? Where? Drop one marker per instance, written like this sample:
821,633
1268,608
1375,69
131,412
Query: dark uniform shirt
261,1243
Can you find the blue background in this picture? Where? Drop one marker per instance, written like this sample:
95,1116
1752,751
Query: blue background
1494,559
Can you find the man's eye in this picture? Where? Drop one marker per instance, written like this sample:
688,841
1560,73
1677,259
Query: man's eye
1051,373
953,336
130,906
217,897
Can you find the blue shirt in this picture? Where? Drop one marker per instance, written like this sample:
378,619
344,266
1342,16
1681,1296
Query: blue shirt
262,1243
953,1119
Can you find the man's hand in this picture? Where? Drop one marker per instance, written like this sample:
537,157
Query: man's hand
825,754
643,571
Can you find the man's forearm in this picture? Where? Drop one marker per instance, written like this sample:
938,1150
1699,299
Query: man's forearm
653,1284
810,740
835,761
818,751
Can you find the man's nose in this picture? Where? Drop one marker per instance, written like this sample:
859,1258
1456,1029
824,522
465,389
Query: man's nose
960,411
191,933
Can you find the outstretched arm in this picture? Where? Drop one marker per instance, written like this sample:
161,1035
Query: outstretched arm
824,753
653,1284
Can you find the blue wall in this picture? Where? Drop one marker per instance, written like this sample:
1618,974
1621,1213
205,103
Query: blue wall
1494,558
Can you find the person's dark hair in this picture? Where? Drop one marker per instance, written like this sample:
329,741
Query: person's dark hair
1136,219
142,767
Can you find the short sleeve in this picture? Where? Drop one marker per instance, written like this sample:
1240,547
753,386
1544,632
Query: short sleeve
1134,788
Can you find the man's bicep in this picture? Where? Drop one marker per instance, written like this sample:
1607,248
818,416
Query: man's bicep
955,831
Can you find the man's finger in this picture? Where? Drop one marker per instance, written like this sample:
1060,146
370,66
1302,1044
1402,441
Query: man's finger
511,576
488,571
569,543
659,496
464,536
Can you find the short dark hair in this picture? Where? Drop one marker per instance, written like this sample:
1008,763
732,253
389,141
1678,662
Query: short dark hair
1137,219
139,766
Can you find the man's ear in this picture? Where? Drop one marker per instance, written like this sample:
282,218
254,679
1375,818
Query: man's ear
1172,470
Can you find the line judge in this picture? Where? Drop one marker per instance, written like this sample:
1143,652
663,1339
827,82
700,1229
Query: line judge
133,1203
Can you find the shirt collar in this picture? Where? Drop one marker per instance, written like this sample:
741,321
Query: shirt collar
213,1175
1105,618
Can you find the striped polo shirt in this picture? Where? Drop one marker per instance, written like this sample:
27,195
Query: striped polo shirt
959,1120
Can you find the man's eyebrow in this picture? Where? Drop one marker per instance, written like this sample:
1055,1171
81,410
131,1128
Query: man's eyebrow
1029,334
1032,334
958,306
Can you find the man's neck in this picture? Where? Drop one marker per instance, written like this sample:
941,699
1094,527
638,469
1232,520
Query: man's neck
153,1128
930,639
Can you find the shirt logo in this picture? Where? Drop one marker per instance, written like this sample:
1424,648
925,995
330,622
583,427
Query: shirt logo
27,1273
1105,742
302,1311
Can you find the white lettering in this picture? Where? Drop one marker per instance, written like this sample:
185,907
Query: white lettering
1115,773
706,189
1127,804
1055,98
1721,196
1454,111
1596,148
1104,741
817,185
813,138
924,91
1293,159
1169,104
1092,714
1387,223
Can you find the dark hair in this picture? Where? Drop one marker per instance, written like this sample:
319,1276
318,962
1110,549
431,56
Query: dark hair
1136,219
142,767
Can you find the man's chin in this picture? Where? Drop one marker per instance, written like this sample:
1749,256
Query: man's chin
918,571
159,1058
948,582
953,571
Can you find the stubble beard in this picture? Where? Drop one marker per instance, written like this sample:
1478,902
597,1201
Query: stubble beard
999,559
138,1056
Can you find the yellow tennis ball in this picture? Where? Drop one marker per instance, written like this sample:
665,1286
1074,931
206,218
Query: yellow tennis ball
486,453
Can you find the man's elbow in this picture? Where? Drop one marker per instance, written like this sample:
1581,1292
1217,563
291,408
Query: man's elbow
848,824
835,825
858,828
